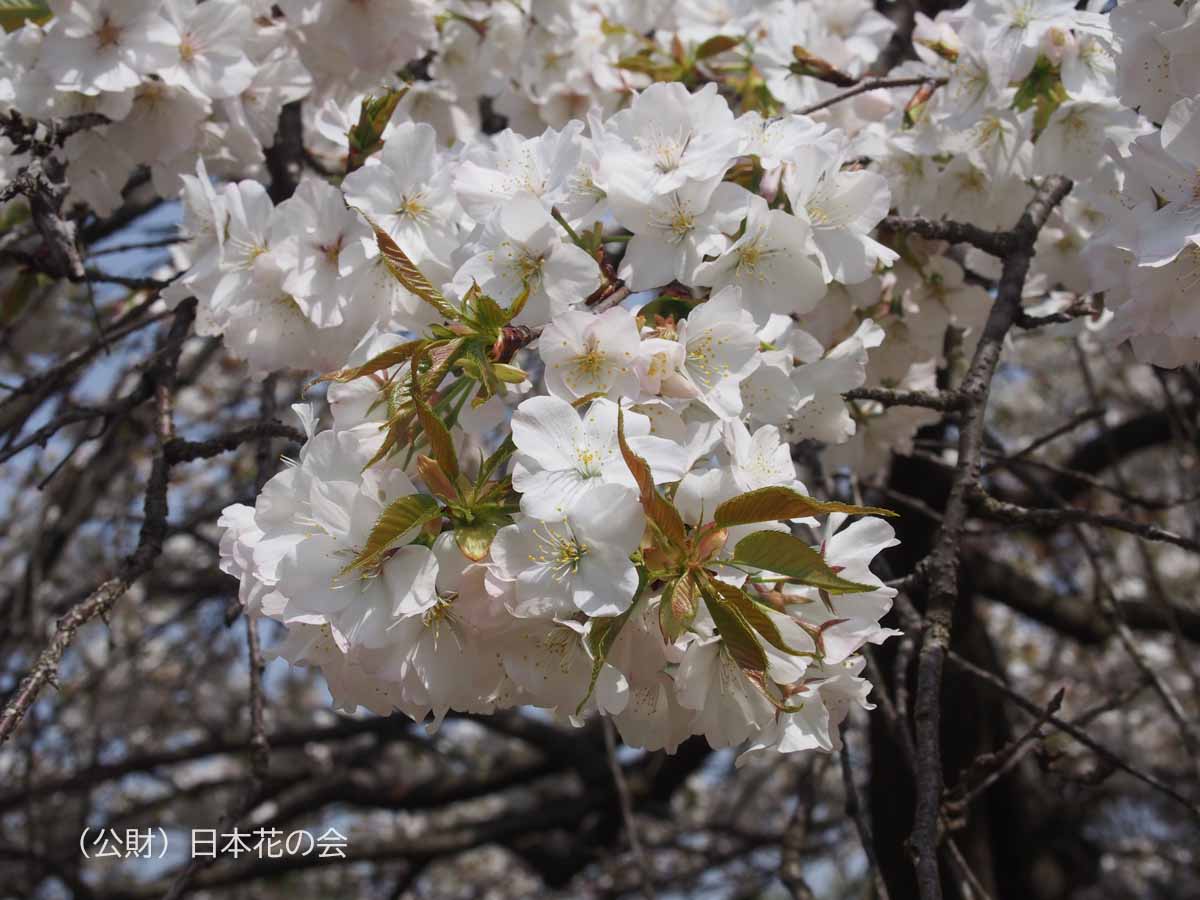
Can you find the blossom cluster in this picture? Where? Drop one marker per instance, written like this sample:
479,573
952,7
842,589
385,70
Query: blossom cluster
568,361
610,567
1147,259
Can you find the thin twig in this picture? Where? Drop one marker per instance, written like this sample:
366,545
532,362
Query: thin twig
1077,733
974,885
874,84
626,802
984,504
988,768
857,815
795,835
260,747
260,755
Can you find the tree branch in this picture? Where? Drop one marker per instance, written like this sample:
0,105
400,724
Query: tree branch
162,377
1017,249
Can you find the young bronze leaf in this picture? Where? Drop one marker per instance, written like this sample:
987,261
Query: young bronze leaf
772,504
779,552
718,43
442,355
401,353
397,430
435,477
401,517
677,610
658,509
441,444
808,64
406,272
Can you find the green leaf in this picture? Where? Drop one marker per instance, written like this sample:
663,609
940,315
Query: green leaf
475,541
660,511
518,305
645,64
406,272
15,13
501,454
738,637
399,518
678,607
490,384
602,634
718,43
755,615
772,504
642,63
490,314
1039,81
666,305
736,633
783,554
510,374
366,137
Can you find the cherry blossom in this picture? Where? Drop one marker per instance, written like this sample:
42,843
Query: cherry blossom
554,350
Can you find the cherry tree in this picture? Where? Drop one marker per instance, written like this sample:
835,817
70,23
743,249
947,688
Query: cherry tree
751,385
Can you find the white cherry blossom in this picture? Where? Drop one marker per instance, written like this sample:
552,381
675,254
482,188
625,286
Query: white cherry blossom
563,455
580,563
587,354
523,247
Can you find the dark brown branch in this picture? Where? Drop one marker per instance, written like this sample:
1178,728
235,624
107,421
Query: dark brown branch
181,451
161,378
118,408
1017,249
1011,514
939,400
1065,613
874,84
997,243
